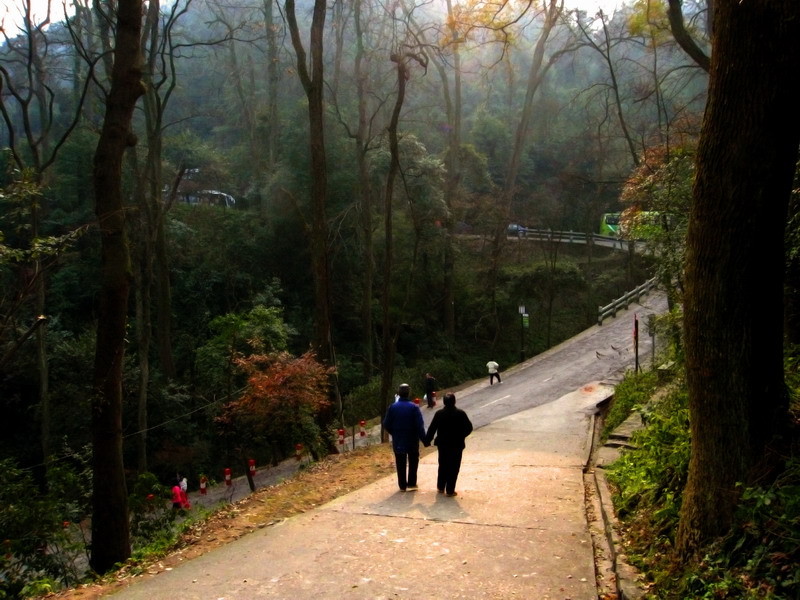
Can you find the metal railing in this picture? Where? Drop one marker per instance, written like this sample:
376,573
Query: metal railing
572,237
635,295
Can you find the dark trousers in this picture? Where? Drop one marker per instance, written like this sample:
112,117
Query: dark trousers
410,461
449,466
492,376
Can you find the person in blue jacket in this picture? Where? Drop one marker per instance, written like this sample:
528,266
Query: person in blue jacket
405,424
452,426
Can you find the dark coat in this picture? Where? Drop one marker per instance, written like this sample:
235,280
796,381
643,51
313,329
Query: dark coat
405,424
452,425
430,386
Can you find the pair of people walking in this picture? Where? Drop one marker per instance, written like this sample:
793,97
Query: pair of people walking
448,430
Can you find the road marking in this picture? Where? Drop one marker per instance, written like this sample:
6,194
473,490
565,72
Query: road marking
498,400
544,380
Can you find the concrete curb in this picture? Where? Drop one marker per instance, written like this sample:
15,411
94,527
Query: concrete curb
626,584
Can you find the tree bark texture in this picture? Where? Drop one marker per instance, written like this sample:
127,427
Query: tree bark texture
110,527
735,259
313,84
388,338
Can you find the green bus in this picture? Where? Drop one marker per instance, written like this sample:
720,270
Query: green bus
630,225
609,224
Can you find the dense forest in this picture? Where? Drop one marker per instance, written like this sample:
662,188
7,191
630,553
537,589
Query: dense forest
425,165
228,228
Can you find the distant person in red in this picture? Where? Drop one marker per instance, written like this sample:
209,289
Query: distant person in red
184,485
451,426
177,501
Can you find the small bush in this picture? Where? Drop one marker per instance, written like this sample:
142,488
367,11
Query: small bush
632,392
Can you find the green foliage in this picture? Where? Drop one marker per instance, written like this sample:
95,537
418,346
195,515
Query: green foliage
659,195
43,535
261,329
633,392
653,475
757,559
152,515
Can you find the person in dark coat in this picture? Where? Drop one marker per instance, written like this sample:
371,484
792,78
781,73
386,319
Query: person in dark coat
430,390
405,424
451,426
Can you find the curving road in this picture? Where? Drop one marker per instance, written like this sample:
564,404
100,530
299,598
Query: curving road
601,353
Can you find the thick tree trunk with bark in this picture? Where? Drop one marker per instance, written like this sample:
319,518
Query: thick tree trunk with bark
313,84
110,527
735,259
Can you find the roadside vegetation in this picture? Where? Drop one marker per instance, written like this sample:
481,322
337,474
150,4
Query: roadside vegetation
166,539
758,559
277,399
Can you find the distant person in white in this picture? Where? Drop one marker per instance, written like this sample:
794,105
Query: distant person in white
494,371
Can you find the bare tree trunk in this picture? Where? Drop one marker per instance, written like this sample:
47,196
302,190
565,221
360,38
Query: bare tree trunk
387,343
681,35
503,205
365,197
313,84
606,54
143,334
273,77
110,526
453,181
734,268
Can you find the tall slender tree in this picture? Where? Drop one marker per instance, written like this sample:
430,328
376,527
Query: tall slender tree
110,525
314,85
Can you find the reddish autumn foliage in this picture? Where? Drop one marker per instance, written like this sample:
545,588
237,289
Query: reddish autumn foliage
284,397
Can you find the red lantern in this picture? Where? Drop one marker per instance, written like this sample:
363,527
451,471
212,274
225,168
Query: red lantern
298,451
341,437
203,484
228,477
252,466
362,424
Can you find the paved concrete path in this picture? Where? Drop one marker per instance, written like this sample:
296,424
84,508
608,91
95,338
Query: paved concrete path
517,529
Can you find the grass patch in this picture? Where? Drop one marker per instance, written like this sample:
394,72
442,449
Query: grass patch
632,393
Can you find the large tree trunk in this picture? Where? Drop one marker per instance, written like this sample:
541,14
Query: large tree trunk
735,259
110,526
313,84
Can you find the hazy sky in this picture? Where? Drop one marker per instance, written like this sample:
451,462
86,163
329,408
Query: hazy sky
10,9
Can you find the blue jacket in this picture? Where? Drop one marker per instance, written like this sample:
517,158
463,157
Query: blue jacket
405,424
